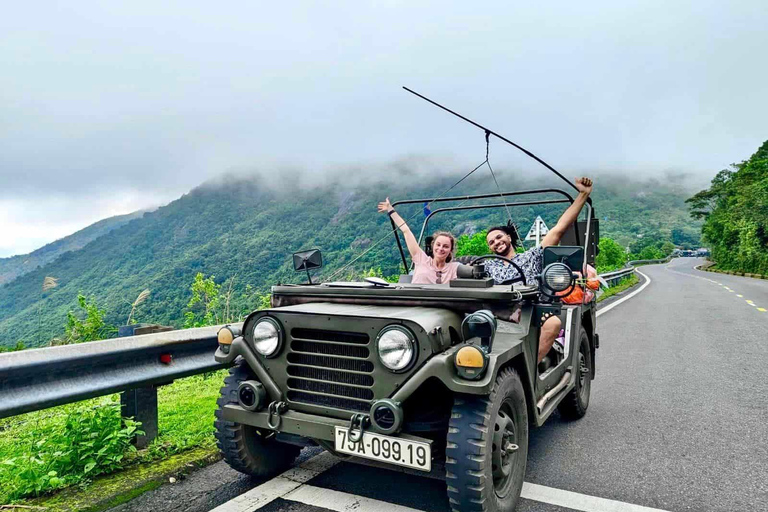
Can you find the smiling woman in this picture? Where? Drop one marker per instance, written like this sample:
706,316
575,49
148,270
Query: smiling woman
438,269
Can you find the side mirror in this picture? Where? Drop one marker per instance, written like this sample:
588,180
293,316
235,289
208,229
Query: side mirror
307,260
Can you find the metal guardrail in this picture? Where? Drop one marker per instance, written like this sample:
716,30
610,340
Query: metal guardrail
35,379
617,275
648,262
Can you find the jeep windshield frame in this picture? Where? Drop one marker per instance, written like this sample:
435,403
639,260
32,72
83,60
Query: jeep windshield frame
567,199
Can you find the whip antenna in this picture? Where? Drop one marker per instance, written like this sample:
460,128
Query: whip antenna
491,132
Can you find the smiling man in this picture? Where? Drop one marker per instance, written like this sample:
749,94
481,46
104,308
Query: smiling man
502,241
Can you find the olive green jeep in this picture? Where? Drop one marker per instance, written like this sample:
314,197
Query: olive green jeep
430,377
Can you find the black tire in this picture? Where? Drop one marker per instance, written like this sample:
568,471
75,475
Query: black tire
245,448
576,402
478,476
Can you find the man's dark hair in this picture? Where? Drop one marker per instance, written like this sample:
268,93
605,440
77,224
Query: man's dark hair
508,229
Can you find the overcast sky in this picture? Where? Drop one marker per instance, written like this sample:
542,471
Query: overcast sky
108,107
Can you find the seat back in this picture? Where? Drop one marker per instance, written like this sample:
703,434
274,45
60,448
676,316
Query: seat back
571,255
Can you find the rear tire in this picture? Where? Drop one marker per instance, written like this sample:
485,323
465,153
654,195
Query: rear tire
245,448
480,475
576,402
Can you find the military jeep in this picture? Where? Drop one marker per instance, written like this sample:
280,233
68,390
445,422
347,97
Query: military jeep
430,377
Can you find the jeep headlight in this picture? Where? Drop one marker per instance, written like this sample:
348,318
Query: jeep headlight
397,347
266,336
557,277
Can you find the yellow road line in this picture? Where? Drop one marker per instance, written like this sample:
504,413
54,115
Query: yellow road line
761,309
739,295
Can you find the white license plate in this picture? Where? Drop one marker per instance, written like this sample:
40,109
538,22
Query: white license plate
394,450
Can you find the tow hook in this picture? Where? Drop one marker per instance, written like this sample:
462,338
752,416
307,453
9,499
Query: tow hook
359,421
275,409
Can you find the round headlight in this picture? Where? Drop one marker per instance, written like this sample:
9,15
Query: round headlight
557,277
266,337
397,347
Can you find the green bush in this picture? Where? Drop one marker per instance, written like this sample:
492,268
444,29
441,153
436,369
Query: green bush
472,245
90,441
611,256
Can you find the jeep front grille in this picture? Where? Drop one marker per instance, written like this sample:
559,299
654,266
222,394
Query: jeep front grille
330,369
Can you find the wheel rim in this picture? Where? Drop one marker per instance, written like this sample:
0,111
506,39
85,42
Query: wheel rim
504,454
584,375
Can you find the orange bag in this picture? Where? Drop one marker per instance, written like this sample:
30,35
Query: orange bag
577,295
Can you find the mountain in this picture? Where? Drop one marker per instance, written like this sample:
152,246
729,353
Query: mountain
15,266
244,229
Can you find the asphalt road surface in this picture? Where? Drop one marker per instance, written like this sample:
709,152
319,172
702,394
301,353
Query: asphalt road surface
678,421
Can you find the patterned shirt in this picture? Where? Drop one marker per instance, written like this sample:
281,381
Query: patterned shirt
530,261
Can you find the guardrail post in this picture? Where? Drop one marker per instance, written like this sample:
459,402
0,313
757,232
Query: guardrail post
141,403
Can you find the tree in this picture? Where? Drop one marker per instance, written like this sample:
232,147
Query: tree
91,328
611,256
735,213
204,306
472,245
667,248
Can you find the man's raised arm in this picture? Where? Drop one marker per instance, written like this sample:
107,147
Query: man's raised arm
571,214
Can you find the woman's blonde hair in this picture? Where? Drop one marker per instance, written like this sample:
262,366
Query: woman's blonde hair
453,243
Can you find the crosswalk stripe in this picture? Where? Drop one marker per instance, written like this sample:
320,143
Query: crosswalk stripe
576,501
280,485
342,501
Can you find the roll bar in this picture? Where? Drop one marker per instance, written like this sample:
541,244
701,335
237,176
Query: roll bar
567,199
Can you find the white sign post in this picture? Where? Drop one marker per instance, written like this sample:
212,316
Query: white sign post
538,229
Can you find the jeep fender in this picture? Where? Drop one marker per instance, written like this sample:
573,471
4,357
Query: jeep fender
441,366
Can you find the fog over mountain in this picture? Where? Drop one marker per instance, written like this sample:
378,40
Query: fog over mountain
112,107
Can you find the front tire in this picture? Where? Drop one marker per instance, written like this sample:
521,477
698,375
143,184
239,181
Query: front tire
245,448
483,470
576,402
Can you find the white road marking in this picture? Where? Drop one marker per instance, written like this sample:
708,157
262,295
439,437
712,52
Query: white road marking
342,501
739,295
576,501
280,485
613,305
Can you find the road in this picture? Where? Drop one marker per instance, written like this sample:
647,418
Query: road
678,421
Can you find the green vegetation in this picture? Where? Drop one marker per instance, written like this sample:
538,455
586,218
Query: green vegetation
627,282
91,328
735,213
611,256
71,444
243,234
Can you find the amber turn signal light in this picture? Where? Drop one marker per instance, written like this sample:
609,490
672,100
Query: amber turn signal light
470,362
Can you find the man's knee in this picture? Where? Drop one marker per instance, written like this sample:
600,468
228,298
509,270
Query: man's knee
550,327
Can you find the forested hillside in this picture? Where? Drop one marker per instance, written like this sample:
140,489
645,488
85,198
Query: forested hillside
735,213
243,233
15,266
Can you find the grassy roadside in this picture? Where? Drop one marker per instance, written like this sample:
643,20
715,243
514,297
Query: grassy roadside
624,284
34,446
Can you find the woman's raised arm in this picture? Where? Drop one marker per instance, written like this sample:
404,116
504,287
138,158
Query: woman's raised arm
410,240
